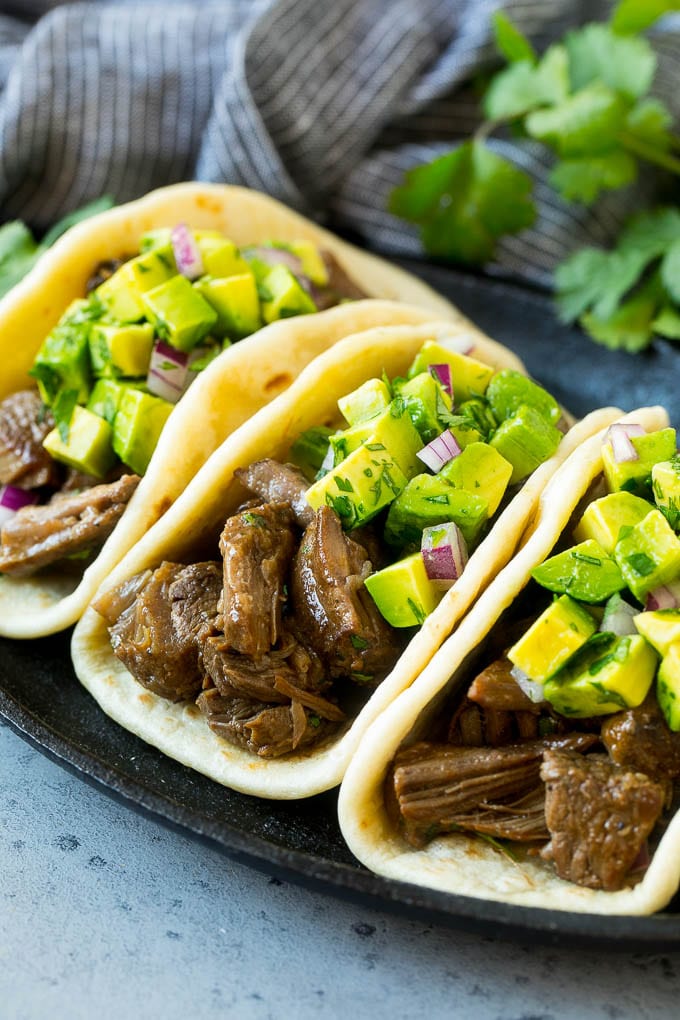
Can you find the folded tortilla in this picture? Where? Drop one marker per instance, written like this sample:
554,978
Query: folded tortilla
239,382
197,518
457,862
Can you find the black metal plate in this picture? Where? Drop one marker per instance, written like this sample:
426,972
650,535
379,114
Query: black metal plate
43,701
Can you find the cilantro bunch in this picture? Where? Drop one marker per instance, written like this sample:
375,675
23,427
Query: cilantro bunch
586,99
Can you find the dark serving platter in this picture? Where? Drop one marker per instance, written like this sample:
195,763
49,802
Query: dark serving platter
41,698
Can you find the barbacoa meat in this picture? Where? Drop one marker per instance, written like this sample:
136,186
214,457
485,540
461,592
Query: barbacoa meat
24,423
194,595
334,611
598,815
37,536
279,483
641,739
340,286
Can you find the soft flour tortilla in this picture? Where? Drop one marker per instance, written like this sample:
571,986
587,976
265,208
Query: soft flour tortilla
196,519
236,385
459,863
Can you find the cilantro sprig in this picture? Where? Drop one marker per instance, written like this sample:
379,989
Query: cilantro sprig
586,99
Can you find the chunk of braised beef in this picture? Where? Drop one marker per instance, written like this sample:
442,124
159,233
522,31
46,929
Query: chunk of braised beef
69,525
340,286
598,815
256,545
333,608
496,688
641,739
24,423
194,595
279,483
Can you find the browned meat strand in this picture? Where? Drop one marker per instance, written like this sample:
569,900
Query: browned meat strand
599,816
268,731
640,738
439,788
195,594
24,423
340,286
39,535
334,611
279,483
257,546
496,688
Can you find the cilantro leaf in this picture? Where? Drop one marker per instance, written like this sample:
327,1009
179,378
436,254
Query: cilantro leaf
511,43
595,279
632,16
464,201
581,179
670,270
629,328
524,86
597,54
649,121
581,125
667,323
62,410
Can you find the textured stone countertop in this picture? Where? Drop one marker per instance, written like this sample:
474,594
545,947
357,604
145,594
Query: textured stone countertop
108,914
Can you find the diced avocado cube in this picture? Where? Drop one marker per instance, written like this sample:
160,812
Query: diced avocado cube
470,377
635,475
509,389
479,414
482,470
365,403
427,403
88,447
604,518
122,293
608,674
105,398
283,295
668,687
428,500
159,238
666,489
235,302
557,634
310,448
137,427
526,440
661,628
465,433
404,593
392,432
63,363
221,258
312,261
648,555
585,572
121,350
359,487
181,316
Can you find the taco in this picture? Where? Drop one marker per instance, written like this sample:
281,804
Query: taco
535,760
99,343
271,614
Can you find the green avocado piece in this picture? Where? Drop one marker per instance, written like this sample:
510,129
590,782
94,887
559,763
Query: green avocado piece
365,403
181,316
585,572
359,487
635,475
137,427
482,470
403,592
310,448
603,518
660,627
392,430
63,363
509,389
427,403
121,294
552,639
479,413
428,500
527,439
470,377
648,555
121,350
312,261
105,398
221,258
88,447
235,301
666,489
608,674
668,687
282,295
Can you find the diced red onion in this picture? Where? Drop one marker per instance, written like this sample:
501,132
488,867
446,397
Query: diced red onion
444,553
440,451
277,257
168,372
620,620
461,344
619,435
532,689
187,253
442,373
665,597
328,463
12,499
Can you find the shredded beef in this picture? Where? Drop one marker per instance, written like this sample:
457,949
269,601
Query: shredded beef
257,546
279,483
598,815
195,594
340,286
66,526
641,739
24,423
337,616
496,688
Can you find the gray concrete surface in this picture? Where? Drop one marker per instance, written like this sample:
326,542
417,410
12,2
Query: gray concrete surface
108,915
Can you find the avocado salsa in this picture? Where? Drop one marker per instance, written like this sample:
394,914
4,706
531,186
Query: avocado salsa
572,733
322,573
110,371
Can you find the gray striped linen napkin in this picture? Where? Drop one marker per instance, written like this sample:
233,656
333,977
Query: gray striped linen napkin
323,105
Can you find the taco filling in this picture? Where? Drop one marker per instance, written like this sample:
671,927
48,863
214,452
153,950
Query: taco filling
567,742
117,361
333,559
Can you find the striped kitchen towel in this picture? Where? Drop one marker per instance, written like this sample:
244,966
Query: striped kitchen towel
322,104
